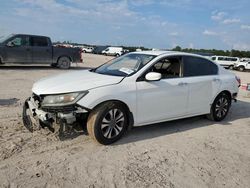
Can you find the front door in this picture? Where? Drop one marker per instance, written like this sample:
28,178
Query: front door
18,50
164,99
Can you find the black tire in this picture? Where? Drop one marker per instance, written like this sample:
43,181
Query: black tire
105,129
241,68
231,67
220,107
63,62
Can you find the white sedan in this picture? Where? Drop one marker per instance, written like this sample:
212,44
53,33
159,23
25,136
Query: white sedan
136,89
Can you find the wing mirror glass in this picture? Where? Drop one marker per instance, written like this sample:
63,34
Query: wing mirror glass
153,76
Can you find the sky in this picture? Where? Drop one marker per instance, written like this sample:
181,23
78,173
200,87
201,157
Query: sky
161,24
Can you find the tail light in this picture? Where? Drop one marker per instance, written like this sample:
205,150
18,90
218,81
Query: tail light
238,80
80,54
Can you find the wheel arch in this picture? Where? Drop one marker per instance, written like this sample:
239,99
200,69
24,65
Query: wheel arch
67,56
226,92
129,113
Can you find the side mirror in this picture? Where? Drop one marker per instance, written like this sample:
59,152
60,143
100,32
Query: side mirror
153,76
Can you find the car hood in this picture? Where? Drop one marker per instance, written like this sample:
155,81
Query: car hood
72,82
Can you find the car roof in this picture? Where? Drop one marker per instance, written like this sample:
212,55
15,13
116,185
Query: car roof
161,52
15,34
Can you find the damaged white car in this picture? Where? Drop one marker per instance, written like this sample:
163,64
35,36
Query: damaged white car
136,89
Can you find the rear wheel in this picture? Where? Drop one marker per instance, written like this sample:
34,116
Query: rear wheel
241,68
220,107
231,67
63,63
108,122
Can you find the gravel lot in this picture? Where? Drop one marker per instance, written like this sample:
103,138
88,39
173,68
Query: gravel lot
193,152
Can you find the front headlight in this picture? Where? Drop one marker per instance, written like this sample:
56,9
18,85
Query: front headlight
62,99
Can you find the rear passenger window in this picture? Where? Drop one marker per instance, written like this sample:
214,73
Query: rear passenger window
39,41
195,66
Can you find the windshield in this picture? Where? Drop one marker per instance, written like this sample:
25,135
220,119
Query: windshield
125,65
4,38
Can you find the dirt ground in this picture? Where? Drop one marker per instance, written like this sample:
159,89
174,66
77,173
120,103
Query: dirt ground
193,152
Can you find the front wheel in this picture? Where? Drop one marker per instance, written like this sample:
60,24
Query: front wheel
63,63
220,107
108,122
241,68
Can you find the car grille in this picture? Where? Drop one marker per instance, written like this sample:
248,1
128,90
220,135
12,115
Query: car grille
59,109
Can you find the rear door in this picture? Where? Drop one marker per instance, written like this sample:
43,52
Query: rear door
41,50
203,80
17,50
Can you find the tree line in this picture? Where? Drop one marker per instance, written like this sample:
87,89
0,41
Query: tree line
232,53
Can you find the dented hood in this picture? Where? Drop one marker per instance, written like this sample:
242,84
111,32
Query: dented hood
72,82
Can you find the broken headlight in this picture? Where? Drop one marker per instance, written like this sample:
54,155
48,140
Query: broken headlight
62,99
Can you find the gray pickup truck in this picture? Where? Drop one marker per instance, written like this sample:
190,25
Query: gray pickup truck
32,49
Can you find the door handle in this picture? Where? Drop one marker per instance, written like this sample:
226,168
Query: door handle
27,49
182,84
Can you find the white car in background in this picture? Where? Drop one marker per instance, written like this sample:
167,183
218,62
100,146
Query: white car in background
87,49
115,51
135,89
226,61
241,66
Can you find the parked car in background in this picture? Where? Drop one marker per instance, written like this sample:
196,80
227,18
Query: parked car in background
34,49
244,59
135,89
225,61
115,51
241,66
87,49
99,49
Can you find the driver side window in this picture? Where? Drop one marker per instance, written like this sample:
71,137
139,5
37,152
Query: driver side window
168,67
19,41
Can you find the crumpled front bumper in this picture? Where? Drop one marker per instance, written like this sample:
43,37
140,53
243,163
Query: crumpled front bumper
35,116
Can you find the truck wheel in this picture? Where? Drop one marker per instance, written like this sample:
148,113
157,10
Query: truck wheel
63,63
108,122
220,107
241,68
231,67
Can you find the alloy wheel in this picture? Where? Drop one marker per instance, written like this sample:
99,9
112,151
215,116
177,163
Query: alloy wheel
112,123
221,107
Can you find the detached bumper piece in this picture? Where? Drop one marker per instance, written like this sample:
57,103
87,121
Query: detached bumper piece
36,116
